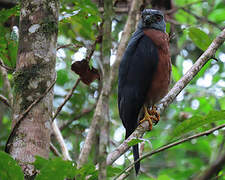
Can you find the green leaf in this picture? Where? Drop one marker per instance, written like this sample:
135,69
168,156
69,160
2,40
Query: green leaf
168,26
56,169
195,122
62,76
40,162
199,38
134,142
222,103
163,177
112,171
175,73
9,170
6,13
86,170
217,15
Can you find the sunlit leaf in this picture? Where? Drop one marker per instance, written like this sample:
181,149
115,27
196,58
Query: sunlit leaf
112,171
9,170
195,122
134,142
56,169
217,15
199,38
175,74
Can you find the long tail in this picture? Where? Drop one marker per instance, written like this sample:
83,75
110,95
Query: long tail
135,153
136,156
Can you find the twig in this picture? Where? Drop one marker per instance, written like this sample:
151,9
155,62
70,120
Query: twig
59,137
6,83
178,87
170,11
202,18
68,45
19,120
68,96
54,150
163,148
5,67
83,113
5,101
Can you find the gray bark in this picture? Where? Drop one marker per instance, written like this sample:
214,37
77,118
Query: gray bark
35,72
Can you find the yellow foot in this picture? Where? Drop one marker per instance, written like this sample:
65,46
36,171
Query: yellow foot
153,112
149,118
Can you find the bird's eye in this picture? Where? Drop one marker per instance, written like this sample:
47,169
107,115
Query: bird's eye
158,17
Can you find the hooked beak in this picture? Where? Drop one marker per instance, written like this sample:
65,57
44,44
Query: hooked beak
148,19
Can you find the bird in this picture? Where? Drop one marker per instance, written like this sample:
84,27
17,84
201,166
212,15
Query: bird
144,74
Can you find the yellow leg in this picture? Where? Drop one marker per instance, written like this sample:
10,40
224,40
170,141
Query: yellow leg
148,117
154,113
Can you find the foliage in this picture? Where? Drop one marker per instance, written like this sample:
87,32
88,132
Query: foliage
9,165
200,106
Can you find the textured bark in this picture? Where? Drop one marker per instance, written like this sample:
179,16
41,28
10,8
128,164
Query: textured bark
35,72
106,87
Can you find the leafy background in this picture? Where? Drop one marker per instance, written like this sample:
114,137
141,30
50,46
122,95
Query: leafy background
200,106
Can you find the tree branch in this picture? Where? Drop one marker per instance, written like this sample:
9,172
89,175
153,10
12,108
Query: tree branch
113,73
54,150
163,148
83,113
5,101
106,88
59,137
128,29
6,82
204,19
213,169
178,87
5,67
68,96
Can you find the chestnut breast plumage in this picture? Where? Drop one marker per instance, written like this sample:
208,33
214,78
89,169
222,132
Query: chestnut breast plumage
161,78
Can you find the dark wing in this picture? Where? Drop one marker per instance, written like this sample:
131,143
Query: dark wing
135,74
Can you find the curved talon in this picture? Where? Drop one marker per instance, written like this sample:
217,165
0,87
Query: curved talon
148,117
153,112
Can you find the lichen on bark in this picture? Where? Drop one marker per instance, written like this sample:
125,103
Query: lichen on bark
35,72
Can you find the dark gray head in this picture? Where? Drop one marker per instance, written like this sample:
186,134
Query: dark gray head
152,19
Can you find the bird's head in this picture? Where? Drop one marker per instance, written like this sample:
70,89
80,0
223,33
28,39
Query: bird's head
152,19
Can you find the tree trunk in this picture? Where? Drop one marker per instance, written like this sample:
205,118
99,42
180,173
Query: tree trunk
35,72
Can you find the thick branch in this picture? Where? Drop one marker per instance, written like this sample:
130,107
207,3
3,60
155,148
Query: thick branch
178,87
106,87
201,61
98,111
